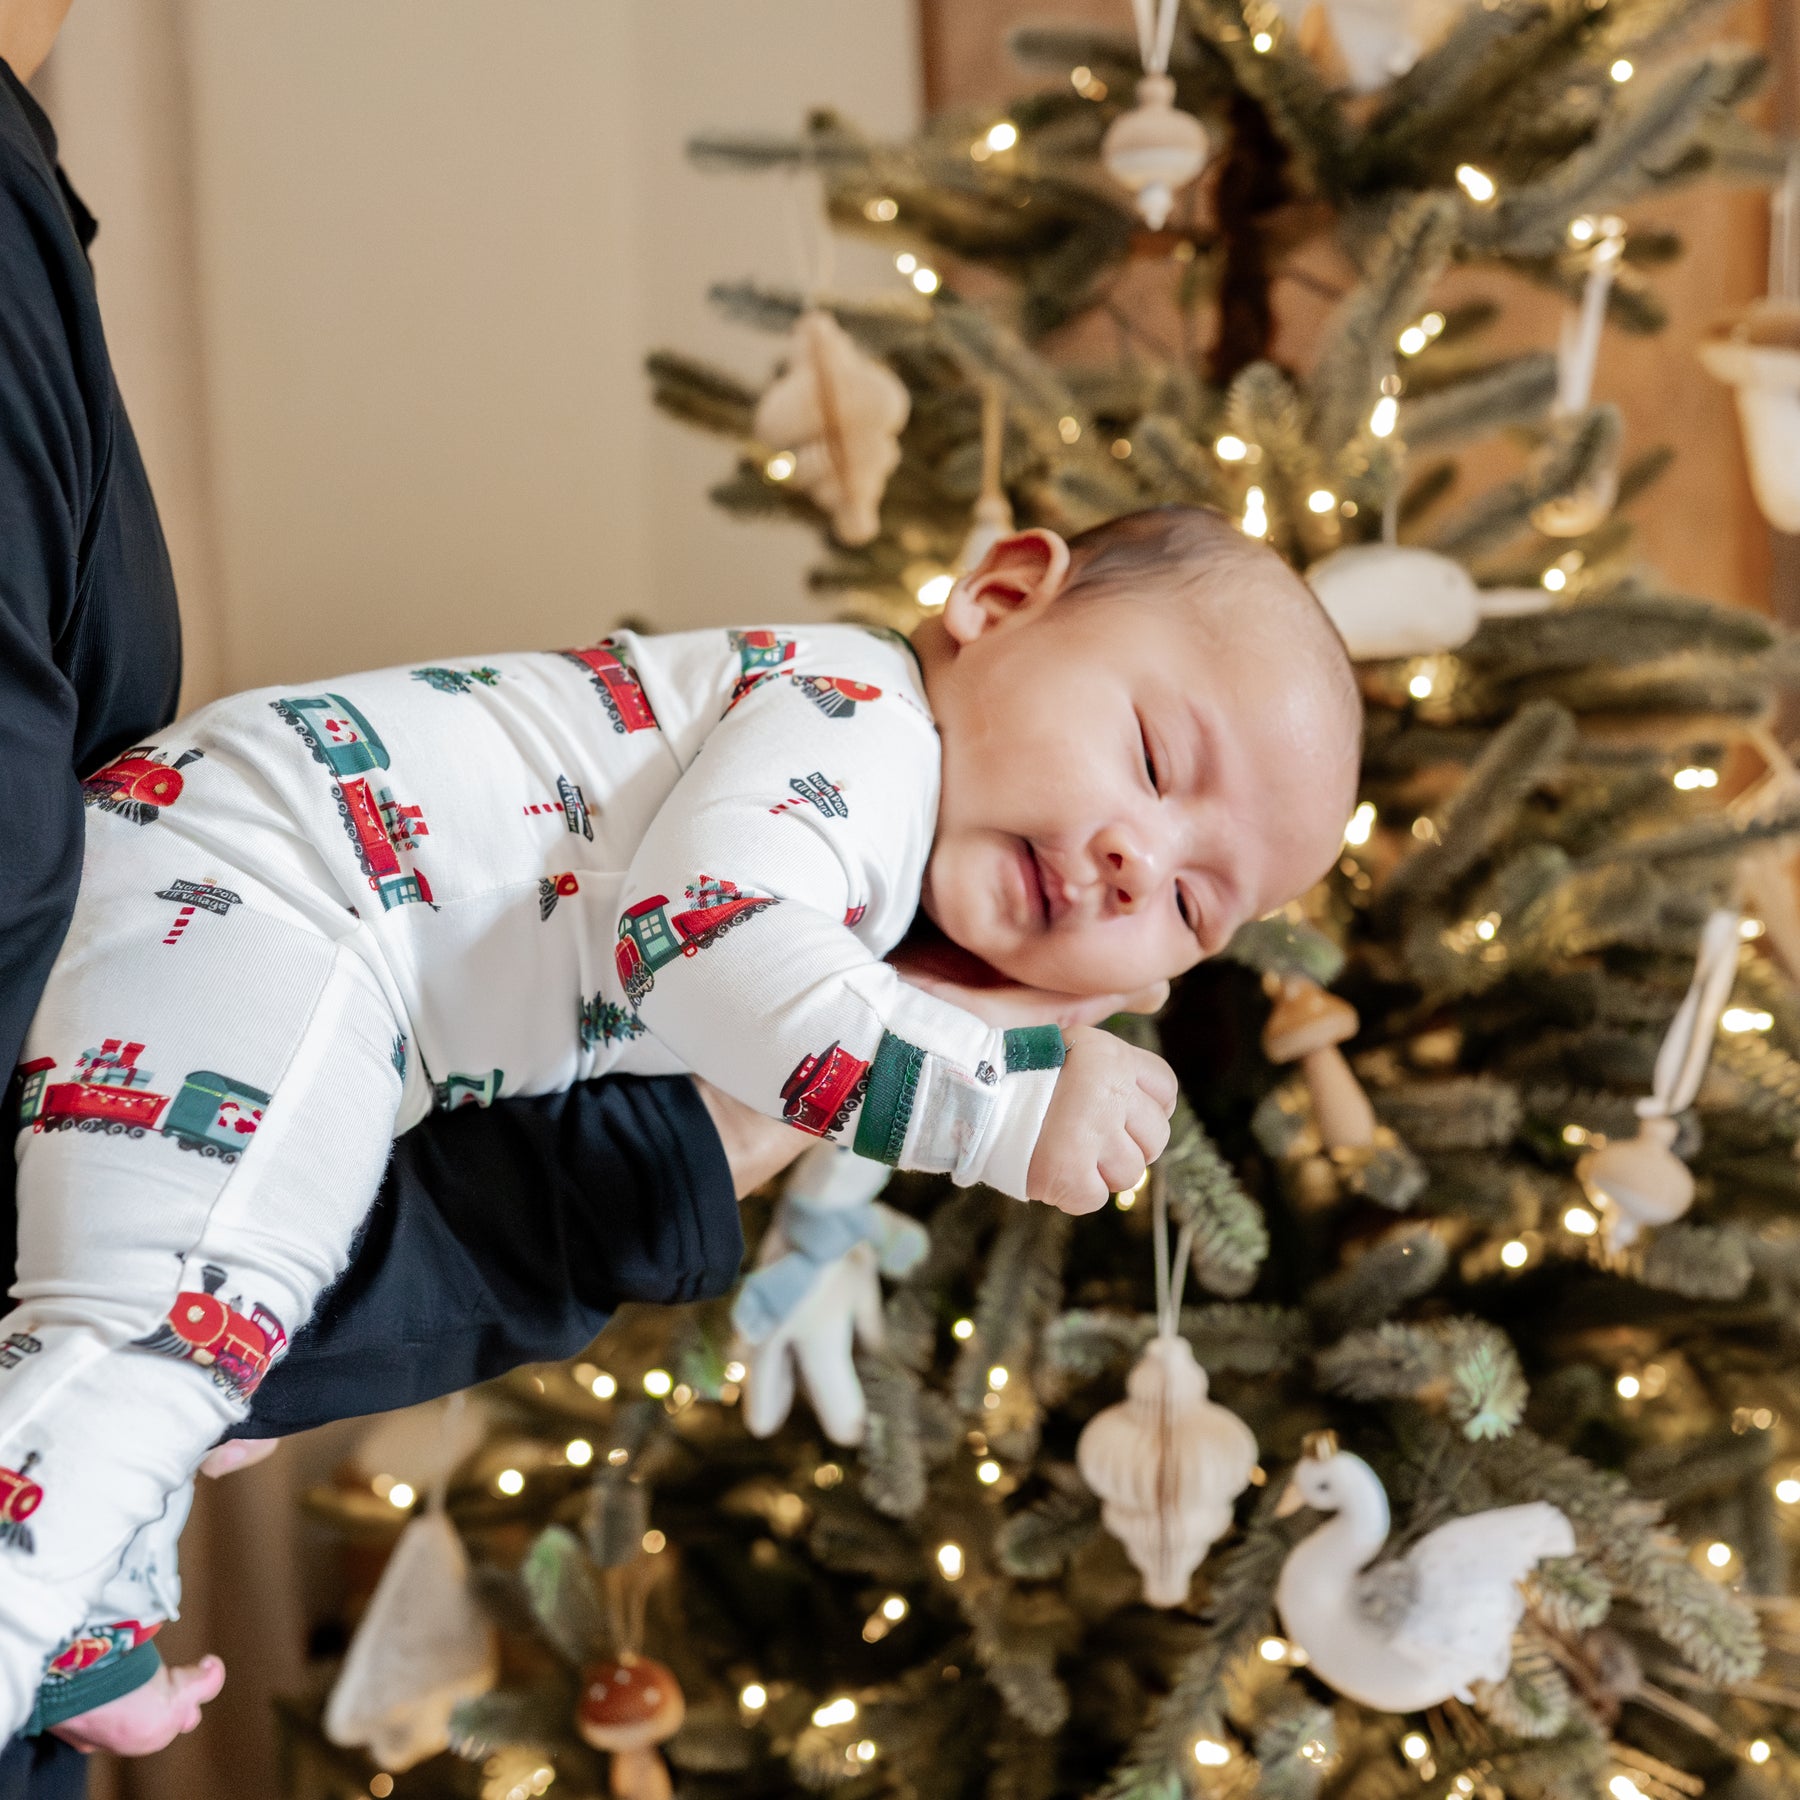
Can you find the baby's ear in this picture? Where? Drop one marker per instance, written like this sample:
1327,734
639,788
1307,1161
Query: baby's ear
1018,577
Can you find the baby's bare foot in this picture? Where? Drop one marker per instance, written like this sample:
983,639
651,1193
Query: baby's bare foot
149,1718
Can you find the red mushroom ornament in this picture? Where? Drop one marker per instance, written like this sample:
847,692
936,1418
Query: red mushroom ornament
627,1708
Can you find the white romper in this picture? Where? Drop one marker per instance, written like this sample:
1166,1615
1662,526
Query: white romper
309,914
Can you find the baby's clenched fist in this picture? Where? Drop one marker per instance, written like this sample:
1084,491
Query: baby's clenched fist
1108,1120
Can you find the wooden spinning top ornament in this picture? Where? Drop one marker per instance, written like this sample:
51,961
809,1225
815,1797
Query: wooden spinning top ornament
1155,148
839,413
1306,1027
629,1706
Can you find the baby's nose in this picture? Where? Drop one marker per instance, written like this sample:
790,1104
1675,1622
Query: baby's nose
1127,868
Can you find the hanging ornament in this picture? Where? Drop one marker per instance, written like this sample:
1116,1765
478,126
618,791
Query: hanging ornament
838,414
1766,875
1640,1181
1390,600
1167,1462
1425,1627
1365,44
1155,148
993,516
424,1644
627,1707
1757,352
1589,506
815,1294
1306,1027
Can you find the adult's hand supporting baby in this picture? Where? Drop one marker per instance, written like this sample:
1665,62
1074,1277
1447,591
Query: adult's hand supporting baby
1107,1121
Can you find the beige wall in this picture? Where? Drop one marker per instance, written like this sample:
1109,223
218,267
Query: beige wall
382,287
379,276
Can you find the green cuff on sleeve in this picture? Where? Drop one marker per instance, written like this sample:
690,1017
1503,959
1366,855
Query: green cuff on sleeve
887,1107
1033,1047
68,1696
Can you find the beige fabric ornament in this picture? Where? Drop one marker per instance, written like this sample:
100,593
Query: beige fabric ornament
1391,600
1155,148
1640,1181
423,1647
1425,1627
993,517
1589,506
1306,1027
1167,1462
839,413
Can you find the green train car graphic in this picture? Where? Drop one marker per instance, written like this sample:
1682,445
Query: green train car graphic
467,1090
210,1113
650,940
336,733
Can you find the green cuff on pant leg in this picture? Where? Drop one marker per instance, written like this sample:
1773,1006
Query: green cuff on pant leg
67,1696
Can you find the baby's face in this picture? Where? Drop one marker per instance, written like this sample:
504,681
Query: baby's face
1121,793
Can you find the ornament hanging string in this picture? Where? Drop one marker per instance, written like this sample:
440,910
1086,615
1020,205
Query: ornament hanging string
1155,32
1169,1281
1578,354
1687,1044
810,242
1784,236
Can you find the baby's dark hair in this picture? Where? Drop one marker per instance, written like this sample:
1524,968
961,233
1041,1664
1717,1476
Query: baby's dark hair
1238,582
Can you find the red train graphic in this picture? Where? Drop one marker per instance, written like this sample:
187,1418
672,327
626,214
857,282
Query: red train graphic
210,1113
235,1348
836,696
20,1497
617,684
137,785
649,939
760,655
824,1090
381,829
97,1644
552,888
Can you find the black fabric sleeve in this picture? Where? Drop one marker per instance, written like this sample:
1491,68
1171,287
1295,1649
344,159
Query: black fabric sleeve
507,1235
48,467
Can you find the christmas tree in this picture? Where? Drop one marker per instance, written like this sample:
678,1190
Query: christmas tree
1468,1230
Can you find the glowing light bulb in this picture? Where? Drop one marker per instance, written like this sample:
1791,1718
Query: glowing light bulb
1787,1491
1629,1387
1574,1134
1256,514
1758,1750
780,466
950,1561
401,1495
1579,1222
926,280
1746,1018
988,1473
840,1711
1209,1753
579,1452
1622,1787
880,210
1751,928
864,1750
906,262
658,1382
1582,231
1476,183
1689,779
654,1542
1420,686
1385,417
1486,926
618,1458
1623,70
1415,1747
754,1697
1272,1649
1412,340
1433,324
1002,136
1068,429
1515,1254
894,1608
1718,1554
604,1386
997,1377
735,1371
1121,448
1362,823
1555,580
1231,449
934,591
1321,500
1263,42
963,1330
510,1481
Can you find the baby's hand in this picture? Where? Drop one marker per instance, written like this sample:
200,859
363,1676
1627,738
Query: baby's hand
1108,1120
149,1718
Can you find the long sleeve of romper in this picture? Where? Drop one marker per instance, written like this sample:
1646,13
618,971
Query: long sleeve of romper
809,808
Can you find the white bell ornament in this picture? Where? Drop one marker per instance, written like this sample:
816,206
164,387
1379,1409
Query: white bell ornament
1393,600
1376,41
1758,354
1156,148
838,413
1425,1627
1167,1461
1639,1181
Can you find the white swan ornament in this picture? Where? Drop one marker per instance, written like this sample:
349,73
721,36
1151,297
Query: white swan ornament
1424,1627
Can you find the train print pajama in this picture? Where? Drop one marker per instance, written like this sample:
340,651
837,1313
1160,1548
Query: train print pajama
309,915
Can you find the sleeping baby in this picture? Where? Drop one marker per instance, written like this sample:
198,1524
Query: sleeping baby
309,915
